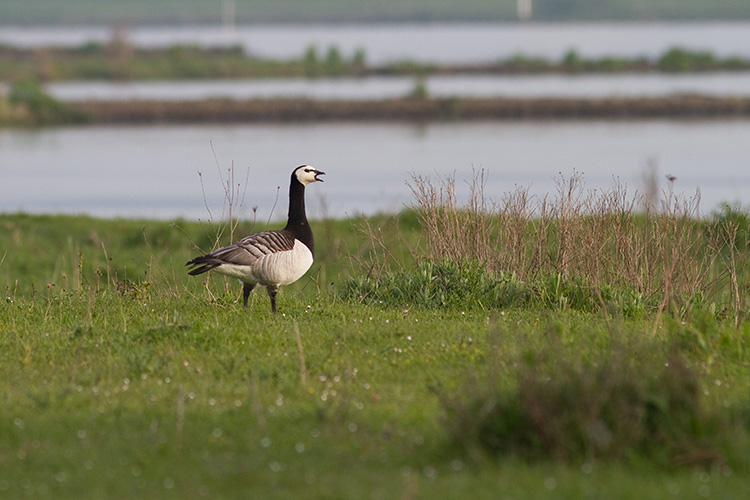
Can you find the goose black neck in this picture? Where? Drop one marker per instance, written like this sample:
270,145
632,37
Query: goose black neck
297,218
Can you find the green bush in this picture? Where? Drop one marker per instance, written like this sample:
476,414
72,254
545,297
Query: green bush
469,285
464,285
36,107
575,406
680,60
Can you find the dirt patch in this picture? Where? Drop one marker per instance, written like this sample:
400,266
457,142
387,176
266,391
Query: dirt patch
301,110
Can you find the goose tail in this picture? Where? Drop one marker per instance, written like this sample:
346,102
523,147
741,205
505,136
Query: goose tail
203,264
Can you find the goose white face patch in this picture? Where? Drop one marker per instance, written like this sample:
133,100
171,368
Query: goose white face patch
306,174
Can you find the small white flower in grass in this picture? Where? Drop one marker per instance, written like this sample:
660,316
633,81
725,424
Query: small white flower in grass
276,466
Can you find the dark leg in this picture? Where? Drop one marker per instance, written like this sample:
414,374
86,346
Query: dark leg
272,289
246,289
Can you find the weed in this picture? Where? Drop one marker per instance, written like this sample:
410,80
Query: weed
594,239
28,103
628,400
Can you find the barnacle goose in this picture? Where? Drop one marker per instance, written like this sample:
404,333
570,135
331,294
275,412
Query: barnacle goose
270,258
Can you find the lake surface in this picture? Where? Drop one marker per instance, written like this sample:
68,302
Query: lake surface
152,171
438,42
565,86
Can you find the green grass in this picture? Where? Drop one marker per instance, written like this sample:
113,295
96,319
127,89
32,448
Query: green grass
122,377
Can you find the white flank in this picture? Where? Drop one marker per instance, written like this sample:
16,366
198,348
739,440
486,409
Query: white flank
278,268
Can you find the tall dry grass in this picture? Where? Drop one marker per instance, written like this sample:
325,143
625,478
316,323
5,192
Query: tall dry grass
665,250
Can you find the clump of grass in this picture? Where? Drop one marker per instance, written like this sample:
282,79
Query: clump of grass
469,286
729,232
571,406
228,221
665,255
27,103
464,285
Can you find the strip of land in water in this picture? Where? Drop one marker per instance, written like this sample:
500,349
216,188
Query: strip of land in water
411,109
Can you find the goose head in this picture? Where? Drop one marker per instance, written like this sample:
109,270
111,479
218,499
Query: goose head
306,174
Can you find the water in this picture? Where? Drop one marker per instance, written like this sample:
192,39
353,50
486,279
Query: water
565,86
444,43
152,171
439,42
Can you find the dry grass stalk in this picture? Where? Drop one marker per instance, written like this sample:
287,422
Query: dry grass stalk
597,237
231,210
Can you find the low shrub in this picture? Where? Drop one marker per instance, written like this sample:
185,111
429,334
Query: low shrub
631,401
469,285
32,105
440,284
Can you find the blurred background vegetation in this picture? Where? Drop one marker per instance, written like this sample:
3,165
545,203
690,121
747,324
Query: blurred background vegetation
260,11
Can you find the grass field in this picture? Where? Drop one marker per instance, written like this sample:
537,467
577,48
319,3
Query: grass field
389,372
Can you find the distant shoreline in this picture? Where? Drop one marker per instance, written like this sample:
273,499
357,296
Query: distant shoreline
410,109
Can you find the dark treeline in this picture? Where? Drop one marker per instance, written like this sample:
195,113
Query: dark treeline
119,60
265,11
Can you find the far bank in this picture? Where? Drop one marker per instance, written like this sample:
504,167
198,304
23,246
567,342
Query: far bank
410,109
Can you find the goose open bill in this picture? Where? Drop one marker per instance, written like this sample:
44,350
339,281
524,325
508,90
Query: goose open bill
270,258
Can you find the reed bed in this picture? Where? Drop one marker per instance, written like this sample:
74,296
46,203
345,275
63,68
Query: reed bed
664,250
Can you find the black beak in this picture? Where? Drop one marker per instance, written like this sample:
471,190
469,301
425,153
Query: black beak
317,173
